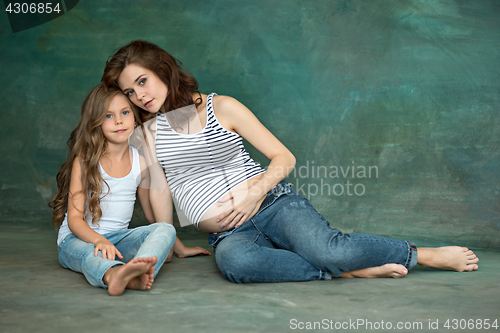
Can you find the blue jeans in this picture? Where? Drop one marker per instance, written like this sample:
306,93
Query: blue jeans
156,239
288,240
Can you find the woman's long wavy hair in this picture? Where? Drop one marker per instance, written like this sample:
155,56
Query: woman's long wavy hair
181,85
88,143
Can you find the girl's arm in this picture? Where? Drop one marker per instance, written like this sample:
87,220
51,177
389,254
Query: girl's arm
238,118
76,221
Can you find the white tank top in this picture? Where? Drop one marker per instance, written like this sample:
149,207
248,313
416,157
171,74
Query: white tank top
117,205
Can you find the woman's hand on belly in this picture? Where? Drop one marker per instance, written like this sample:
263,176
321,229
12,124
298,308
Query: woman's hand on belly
231,211
245,204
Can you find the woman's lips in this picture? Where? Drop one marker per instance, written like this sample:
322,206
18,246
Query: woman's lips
148,104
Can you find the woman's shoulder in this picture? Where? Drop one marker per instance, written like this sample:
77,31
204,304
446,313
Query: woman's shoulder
231,113
223,102
228,106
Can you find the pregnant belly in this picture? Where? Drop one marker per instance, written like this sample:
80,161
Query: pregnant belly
208,222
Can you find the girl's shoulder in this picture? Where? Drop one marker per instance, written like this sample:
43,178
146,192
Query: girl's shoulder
77,164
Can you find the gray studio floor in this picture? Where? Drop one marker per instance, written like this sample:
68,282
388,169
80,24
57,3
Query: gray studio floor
189,295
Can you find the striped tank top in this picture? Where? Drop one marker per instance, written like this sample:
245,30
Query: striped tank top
202,167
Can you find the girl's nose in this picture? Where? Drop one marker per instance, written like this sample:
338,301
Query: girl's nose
118,120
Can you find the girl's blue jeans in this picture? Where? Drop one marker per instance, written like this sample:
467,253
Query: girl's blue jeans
156,239
288,240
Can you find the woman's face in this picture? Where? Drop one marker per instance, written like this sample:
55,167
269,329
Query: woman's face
143,87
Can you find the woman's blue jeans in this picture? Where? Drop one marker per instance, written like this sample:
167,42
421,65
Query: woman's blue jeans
156,240
288,240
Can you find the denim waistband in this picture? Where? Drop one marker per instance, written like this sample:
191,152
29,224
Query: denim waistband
279,189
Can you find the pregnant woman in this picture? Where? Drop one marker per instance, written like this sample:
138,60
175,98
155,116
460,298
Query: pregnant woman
260,228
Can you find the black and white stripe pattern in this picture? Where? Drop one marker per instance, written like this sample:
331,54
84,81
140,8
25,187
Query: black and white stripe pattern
202,167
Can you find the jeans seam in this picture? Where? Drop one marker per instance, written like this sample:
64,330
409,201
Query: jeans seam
255,239
260,231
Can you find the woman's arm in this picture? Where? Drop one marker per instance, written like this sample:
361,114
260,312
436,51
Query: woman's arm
238,118
143,191
76,221
179,248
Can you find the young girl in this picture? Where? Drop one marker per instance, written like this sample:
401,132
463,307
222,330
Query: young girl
261,230
95,201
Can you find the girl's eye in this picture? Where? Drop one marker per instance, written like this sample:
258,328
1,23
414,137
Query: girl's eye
109,116
125,113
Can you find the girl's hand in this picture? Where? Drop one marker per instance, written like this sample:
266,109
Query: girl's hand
108,250
191,251
241,211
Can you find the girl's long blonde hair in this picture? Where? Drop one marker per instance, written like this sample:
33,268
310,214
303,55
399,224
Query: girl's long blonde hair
88,143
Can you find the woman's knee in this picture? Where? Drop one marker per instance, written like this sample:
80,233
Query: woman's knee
235,260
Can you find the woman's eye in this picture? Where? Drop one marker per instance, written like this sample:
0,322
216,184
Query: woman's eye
142,81
130,93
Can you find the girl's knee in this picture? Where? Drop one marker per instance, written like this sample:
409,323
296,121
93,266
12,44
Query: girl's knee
164,228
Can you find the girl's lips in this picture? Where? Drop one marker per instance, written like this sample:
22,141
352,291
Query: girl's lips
120,131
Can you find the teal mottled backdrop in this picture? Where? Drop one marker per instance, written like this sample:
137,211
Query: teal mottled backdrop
409,87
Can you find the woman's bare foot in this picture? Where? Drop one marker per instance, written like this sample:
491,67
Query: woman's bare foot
384,271
454,258
137,272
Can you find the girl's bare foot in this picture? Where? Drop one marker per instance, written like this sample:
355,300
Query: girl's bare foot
384,271
137,272
454,258
142,282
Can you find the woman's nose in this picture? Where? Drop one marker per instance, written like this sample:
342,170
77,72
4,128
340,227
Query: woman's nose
140,93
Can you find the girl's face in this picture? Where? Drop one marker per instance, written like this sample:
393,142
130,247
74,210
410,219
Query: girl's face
143,87
119,122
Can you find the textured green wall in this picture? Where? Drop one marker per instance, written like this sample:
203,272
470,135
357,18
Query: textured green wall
410,87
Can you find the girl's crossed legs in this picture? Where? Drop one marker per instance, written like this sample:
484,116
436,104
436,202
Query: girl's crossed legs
144,251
